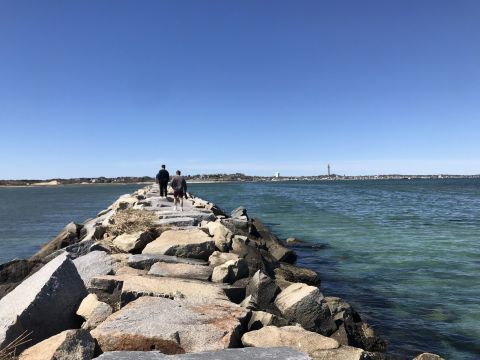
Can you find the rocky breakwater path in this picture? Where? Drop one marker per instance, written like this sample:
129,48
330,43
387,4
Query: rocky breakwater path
142,281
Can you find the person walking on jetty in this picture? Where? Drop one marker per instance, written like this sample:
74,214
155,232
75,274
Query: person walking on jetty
162,179
179,186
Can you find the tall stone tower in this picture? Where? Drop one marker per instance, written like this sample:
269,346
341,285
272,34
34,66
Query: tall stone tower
328,167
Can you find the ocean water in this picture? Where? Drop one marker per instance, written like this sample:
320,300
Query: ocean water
31,216
405,254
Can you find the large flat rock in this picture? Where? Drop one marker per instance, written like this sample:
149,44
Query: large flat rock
145,261
291,336
185,271
228,354
43,304
134,286
193,243
171,326
178,221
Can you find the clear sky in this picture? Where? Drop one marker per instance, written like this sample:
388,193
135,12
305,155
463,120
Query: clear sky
112,88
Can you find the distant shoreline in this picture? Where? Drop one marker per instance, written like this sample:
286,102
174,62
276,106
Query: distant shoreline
221,178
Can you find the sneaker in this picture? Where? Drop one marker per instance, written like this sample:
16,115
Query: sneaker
174,208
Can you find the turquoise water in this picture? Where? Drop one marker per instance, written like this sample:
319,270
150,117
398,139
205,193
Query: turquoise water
405,253
31,216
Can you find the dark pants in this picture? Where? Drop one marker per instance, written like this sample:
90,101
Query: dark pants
163,188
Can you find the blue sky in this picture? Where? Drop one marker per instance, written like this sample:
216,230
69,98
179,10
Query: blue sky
111,88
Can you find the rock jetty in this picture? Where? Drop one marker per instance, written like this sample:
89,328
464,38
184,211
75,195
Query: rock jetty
142,281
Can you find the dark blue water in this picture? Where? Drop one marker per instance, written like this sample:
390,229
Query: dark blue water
30,216
406,254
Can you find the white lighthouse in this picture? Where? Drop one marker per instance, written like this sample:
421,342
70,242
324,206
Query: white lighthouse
277,174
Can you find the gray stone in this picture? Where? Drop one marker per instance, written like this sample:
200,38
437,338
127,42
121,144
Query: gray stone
221,235
93,311
305,304
239,212
282,353
43,304
94,264
192,243
230,271
133,242
263,289
69,344
177,221
171,326
145,261
126,288
219,258
79,249
185,271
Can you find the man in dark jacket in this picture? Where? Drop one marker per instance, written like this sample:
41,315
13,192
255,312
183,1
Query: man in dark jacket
162,179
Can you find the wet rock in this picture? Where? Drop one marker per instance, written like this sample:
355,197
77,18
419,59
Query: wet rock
219,258
290,336
133,242
294,273
183,243
241,246
171,326
94,264
304,304
69,344
230,271
361,335
262,288
145,261
185,271
93,311
428,356
274,246
43,304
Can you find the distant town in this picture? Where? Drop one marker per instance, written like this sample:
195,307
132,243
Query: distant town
237,177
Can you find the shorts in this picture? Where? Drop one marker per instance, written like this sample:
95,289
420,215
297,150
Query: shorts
178,193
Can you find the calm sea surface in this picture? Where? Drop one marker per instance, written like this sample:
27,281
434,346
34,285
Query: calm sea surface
406,254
